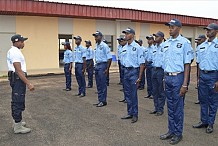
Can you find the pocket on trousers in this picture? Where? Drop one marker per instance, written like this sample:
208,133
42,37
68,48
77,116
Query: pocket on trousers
18,97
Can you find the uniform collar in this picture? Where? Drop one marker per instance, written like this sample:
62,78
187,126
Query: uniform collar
215,40
15,47
177,38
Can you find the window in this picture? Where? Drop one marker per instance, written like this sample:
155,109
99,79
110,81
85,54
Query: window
110,40
62,39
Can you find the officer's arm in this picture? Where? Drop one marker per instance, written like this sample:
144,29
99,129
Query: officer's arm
109,64
21,75
84,64
142,68
186,74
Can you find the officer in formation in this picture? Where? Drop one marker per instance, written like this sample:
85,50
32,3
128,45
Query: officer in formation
149,49
207,58
80,66
176,70
158,75
142,83
68,60
103,60
122,43
17,76
133,62
89,63
201,38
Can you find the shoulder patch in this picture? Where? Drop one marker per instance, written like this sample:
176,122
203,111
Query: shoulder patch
179,45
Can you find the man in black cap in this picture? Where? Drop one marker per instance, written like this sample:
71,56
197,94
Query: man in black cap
178,54
207,57
103,60
201,38
158,75
150,48
142,83
18,81
108,76
80,66
134,65
90,63
122,43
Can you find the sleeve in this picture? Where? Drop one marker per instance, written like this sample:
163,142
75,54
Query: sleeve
92,54
108,52
188,53
141,58
14,56
84,52
71,56
197,55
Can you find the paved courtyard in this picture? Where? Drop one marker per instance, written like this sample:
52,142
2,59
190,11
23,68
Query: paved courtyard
58,118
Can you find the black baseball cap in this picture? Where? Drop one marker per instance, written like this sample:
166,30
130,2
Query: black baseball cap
88,42
211,26
139,41
174,22
97,33
149,37
120,39
17,38
77,38
201,36
65,43
129,30
159,33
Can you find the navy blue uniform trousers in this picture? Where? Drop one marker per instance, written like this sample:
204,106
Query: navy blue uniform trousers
148,78
208,97
90,71
80,77
158,89
175,103
101,83
130,90
18,99
120,71
68,75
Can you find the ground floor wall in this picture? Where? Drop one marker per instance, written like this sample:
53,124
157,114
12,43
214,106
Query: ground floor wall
42,49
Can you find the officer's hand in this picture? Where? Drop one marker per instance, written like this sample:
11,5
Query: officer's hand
138,82
106,72
30,87
183,90
83,71
216,86
70,69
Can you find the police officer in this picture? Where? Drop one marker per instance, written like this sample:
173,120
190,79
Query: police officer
208,80
122,43
108,75
90,63
177,58
142,83
68,60
158,75
201,38
133,61
80,66
103,60
18,81
150,48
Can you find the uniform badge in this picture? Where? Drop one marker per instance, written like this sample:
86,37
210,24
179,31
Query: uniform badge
216,46
179,45
166,46
202,48
134,49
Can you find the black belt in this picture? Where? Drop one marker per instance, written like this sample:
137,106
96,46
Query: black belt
89,59
78,63
156,68
130,68
209,71
101,63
